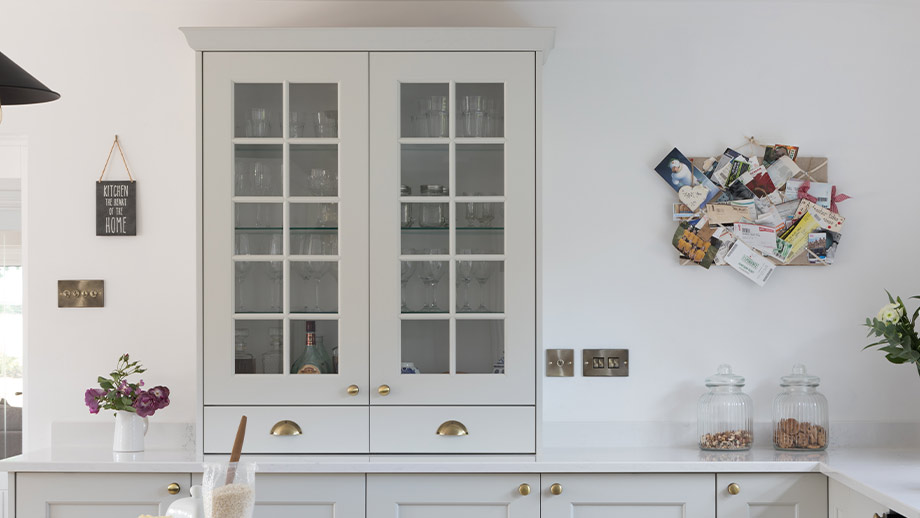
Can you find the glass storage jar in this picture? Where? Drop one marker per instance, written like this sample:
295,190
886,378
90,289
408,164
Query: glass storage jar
725,413
800,413
434,215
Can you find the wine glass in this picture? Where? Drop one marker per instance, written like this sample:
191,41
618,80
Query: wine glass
241,269
303,267
261,180
319,181
469,211
275,272
485,213
318,245
406,271
465,276
482,270
433,270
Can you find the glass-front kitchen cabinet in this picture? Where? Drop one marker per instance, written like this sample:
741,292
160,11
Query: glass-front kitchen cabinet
368,245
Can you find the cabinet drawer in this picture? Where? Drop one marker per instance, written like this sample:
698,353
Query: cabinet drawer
325,429
490,429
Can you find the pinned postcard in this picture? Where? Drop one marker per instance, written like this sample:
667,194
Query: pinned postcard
820,191
739,191
696,242
727,239
782,170
758,236
758,181
773,153
681,212
676,169
727,213
794,240
827,220
749,263
817,247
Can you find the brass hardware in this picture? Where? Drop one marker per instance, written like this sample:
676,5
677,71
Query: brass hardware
352,390
734,489
81,294
556,489
452,428
173,489
875,515
383,390
524,489
286,427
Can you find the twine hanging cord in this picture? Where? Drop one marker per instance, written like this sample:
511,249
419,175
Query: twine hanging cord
123,160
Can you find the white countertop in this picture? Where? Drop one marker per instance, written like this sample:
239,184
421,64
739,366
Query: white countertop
890,477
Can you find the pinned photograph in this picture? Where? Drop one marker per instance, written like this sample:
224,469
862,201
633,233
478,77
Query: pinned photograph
697,243
676,169
817,247
773,153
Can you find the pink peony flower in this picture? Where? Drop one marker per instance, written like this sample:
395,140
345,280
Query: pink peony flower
91,398
145,404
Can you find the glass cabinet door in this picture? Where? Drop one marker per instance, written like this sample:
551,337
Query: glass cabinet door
452,234
284,236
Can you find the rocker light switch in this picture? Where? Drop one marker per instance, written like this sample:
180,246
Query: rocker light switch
560,363
605,362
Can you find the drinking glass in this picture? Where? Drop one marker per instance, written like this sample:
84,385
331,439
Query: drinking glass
241,269
431,274
260,178
260,122
406,270
319,181
325,123
485,213
465,276
275,272
469,210
303,267
298,124
482,270
318,245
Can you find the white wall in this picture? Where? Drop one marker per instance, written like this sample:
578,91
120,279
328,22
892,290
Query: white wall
627,81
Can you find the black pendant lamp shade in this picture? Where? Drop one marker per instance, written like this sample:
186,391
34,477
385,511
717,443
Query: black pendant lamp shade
19,87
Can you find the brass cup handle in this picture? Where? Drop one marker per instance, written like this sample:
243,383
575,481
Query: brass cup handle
452,427
173,489
875,515
524,489
286,427
352,390
383,390
556,489
734,489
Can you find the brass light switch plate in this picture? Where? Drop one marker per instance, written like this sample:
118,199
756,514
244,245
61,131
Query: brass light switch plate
81,294
560,363
605,362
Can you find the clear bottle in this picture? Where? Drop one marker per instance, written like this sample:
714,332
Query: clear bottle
725,413
271,361
800,420
245,363
311,359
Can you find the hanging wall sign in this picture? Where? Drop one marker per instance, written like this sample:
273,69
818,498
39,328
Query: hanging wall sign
116,202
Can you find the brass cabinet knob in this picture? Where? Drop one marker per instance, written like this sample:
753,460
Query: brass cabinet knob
452,428
556,489
352,390
524,489
286,427
734,489
875,515
383,390
173,489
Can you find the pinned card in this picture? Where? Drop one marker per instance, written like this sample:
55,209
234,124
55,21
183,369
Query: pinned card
782,170
727,213
676,169
749,263
826,219
696,242
694,196
756,236
804,189
773,153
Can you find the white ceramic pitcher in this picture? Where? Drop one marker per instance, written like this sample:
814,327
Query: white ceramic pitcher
130,430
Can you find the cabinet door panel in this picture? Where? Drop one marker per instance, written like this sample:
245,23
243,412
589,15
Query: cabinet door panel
627,496
780,495
284,238
453,290
847,503
451,496
96,495
309,496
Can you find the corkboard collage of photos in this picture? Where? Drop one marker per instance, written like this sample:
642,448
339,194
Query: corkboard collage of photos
753,213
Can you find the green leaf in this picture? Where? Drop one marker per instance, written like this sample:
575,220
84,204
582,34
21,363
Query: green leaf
894,360
891,300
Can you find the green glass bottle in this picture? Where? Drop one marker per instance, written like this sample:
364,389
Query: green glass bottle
311,360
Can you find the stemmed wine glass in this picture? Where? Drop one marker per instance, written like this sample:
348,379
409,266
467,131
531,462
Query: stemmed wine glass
303,267
430,274
275,272
406,271
465,276
318,245
482,270
241,269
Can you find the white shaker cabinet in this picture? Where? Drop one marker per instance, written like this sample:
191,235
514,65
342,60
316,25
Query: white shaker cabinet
848,503
771,495
453,496
628,495
369,216
97,495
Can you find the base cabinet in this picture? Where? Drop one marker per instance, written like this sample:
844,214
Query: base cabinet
96,495
771,495
847,503
453,496
626,495
309,496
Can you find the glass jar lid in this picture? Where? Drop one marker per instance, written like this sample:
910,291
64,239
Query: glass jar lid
405,190
799,378
432,190
724,376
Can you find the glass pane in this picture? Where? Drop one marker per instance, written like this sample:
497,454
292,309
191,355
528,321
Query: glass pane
258,286
480,347
258,170
424,169
425,285
258,216
262,242
325,339
480,109
474,214
425,347
314,170
419,241
258,345
424,109
480,228
314,287
481,169
257,109
314,215
488,293
314,110
482,240
322,241
11,351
